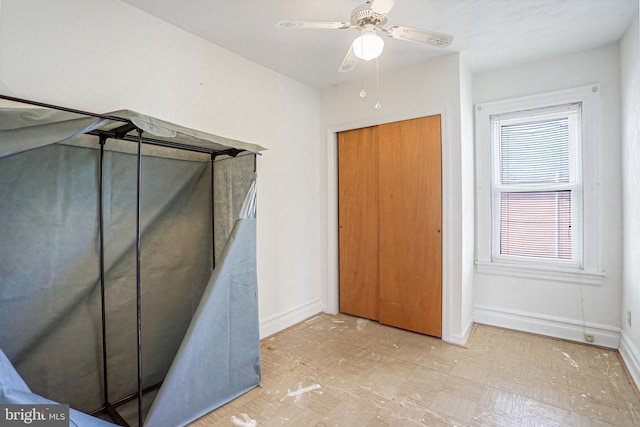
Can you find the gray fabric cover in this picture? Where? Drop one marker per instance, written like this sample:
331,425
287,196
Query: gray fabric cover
24,127
232,177
219,358
14,391
49,265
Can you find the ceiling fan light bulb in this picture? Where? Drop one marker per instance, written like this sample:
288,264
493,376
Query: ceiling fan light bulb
368,45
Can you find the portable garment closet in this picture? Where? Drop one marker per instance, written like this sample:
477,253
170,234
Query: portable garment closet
110,228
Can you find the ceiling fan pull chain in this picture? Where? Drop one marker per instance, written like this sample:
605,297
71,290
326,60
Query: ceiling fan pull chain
363,93
378,105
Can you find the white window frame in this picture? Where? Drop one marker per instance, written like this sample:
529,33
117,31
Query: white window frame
585,270
575,184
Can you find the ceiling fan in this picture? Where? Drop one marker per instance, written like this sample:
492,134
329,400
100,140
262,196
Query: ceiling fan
370,18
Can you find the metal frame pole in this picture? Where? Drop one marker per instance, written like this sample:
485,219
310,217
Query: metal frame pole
138,287
105,378
213,214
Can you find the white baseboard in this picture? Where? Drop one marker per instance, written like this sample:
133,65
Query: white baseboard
461,339
568,329
631,356
330,310
283,320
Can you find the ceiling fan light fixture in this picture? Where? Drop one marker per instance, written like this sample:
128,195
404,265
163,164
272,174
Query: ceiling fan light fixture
368,45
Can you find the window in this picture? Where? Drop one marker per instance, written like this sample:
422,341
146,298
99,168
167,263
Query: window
537,186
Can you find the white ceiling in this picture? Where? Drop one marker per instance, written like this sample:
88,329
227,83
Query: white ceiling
490,34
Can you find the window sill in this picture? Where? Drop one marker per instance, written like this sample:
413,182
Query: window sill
575,276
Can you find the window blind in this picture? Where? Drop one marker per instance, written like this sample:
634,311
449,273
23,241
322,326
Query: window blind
536,212
535,152
536,224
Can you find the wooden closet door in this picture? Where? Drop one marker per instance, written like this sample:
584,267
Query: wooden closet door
358,222
410,218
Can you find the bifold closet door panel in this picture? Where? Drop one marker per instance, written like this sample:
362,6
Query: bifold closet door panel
358,222
410,216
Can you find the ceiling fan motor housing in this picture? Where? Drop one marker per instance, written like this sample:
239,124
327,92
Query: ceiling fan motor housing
364,15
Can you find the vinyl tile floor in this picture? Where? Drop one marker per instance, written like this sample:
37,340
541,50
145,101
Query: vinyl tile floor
345,371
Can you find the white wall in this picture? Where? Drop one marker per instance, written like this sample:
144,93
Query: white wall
467,171
102,56
549,307
417,91
630,68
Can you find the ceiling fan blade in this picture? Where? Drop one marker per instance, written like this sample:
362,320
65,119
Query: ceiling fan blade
349,62
382,7
313,25
419,36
